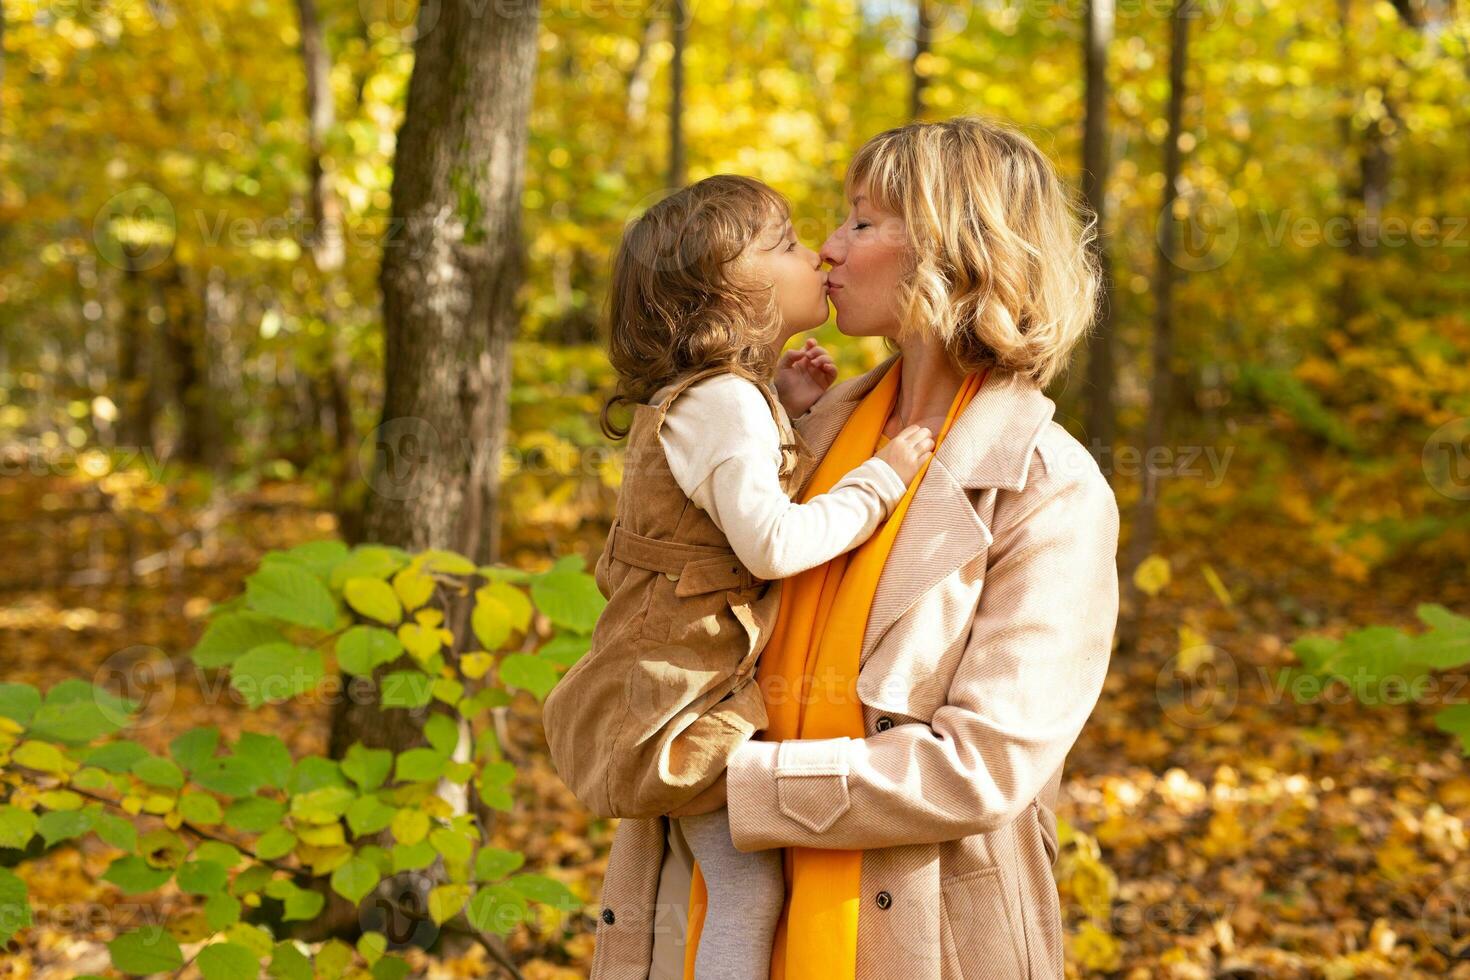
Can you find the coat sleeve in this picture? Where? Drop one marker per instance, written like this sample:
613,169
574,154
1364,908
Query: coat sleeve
1032,671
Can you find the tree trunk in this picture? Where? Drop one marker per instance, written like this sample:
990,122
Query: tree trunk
328,254
1096,162
134,362
679,25
449,278
923,40
183,335
1165,274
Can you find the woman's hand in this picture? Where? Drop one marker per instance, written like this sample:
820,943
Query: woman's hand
803,375
711,799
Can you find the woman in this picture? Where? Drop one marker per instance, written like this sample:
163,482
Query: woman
923,695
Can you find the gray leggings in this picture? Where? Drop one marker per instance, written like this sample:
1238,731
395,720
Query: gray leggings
746,890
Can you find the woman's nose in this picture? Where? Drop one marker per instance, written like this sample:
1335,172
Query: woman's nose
832,251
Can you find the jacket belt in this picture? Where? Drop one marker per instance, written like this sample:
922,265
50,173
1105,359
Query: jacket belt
697,568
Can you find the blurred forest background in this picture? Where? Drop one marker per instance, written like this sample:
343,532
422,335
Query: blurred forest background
258,289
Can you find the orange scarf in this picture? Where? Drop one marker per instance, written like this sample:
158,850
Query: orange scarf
814,650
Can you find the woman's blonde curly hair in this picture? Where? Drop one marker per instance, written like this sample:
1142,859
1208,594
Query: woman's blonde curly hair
1003,272
678,302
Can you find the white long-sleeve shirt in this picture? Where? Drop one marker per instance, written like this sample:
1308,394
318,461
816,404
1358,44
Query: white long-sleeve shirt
724,449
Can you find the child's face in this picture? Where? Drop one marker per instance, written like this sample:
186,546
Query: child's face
777,259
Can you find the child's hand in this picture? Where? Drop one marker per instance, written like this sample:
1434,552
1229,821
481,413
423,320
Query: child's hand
803,375
908,451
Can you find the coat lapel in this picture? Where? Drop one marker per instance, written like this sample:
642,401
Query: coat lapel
988,447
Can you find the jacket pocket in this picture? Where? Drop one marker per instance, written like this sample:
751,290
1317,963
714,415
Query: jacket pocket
813,792
978,927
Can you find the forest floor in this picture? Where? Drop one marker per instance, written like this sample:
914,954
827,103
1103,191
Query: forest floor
1239,833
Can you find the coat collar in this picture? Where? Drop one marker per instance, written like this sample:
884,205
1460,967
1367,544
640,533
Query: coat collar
989,445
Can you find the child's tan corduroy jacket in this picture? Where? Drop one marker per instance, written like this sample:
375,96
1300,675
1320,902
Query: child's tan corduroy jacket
646,720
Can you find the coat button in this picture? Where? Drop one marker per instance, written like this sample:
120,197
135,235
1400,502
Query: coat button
608,917
884,900
883,723
672,576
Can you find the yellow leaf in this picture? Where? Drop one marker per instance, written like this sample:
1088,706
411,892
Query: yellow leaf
517,605
421,643
1217,585
373,598
476,665
429,617
413,587
1152,574
410,826
326,835
446,901
1095,950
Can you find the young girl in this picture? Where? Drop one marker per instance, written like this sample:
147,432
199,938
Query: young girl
708,286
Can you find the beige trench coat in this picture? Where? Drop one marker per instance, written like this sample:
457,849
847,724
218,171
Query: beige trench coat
983,658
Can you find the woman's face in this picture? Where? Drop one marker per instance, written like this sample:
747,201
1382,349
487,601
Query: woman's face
869,256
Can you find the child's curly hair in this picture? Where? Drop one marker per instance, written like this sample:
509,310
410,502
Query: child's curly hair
677,304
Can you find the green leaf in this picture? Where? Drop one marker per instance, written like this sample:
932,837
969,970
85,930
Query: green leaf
369,815
195,748
75,713
303,905
493,863
202,878
59,825
497,908
19,702
528,673
276,672
367,767
565,649
231,776
373,598
116,756
221,910
548,891
569,599
289,963
290,593
318,557
406,689
156,771
314,772
134,875
146,951
200,809
228,961
455,846
115,830
255,814
413,857
275,843
268,755
355,879
363,648
442,733
232,635
15,906
371,946
391,968
419,765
